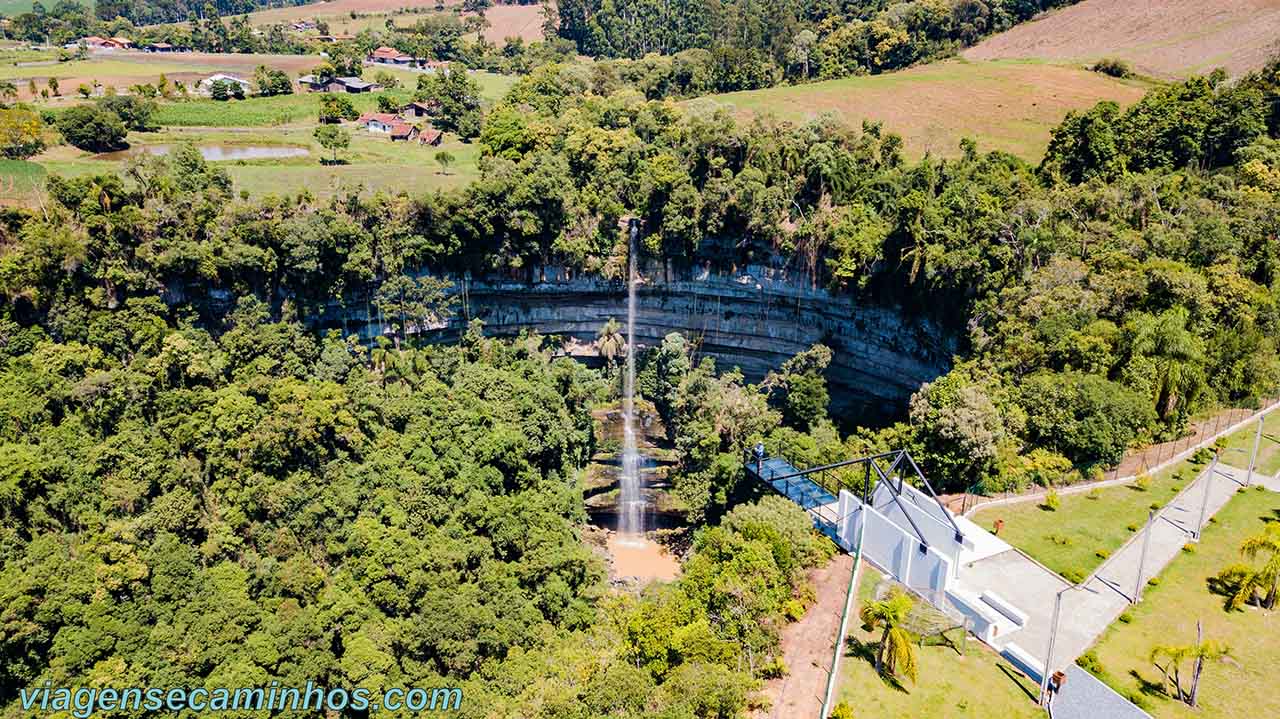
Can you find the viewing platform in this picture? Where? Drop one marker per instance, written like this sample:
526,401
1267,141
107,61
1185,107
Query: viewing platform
794,484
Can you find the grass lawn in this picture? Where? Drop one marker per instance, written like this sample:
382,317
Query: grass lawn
1243,685
1068,540
1268,450
258,111
372,161
978,684
20,181
1005,105
300,107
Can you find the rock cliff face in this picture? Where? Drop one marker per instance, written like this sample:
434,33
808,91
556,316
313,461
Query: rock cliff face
751,321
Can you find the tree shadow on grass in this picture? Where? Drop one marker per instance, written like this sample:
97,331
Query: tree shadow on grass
1147,687
866,651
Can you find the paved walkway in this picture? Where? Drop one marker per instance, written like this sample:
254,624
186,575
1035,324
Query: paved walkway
1090,609
1087,612
1084,696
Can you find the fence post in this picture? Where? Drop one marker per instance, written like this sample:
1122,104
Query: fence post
1253,459
1208,486
1142,560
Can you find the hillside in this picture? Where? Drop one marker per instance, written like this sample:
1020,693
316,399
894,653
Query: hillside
352,16
1169,39
1005,105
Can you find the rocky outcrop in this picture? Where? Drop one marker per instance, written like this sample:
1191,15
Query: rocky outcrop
752,320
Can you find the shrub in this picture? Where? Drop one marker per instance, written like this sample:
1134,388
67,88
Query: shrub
1059,539
1094,494
842,711
774,669
1090,663
1113,67
1202,456
1097,473
1101,553
1189,548
1154,506
1126,617
21,133
1132,527
133,111
1153,582
336,108
1075,576
1051,500
793,610
92,128
1142,482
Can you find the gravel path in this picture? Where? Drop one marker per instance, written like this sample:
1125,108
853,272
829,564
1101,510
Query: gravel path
807,646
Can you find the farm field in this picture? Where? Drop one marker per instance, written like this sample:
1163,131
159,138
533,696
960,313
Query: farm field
1004,105
505,21
123,69
1241,684
948,681
372,161
285,121
1169,39
1068,540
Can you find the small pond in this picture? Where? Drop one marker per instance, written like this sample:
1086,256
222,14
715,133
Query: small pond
213,153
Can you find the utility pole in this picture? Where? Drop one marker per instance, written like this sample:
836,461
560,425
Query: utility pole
849,599
1208,486
1253,460
1142,561
1053,638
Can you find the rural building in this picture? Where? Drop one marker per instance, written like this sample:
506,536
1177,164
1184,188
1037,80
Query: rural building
416,109
106,43
430,136
390,56
434,66
160,47
404,131
378,121
356,85
303,25
314,83
206,85
334,38
385,123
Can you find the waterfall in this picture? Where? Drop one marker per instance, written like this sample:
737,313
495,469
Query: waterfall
631,504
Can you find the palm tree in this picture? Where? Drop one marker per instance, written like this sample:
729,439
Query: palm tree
610,342
1265,543
1178,355
897,652
1174,657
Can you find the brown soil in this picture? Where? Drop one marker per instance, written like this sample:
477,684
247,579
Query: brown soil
524,21
807,647
1162,38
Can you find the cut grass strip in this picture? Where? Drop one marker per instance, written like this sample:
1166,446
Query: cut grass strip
1241,685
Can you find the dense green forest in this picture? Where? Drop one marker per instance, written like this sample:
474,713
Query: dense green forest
754,42
197,489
